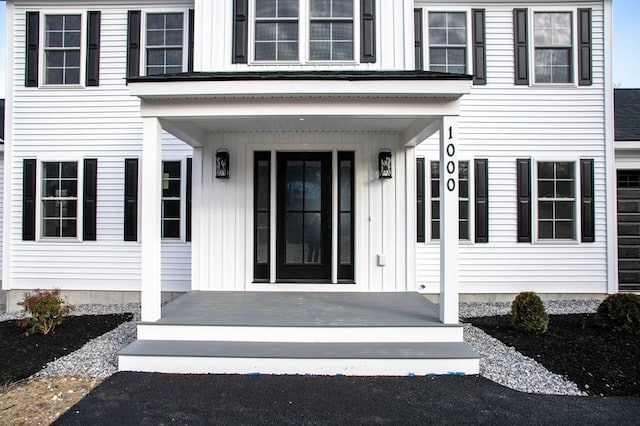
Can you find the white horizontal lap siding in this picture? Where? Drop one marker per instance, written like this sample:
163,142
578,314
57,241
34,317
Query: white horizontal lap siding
1,209
503,122
70,125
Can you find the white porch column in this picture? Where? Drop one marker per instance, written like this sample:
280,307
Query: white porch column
449,296
150,227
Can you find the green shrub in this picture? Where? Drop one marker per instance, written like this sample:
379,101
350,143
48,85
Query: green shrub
620,312
47,309
528,313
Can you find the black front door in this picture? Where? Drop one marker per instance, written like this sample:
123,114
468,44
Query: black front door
304,217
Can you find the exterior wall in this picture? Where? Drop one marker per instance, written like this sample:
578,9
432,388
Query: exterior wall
503,122
1,208
227,247
75,123
394,26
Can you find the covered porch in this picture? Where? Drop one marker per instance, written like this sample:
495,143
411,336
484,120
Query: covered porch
271,113
326,333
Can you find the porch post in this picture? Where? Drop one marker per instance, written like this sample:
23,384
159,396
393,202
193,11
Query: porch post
150,227
449,220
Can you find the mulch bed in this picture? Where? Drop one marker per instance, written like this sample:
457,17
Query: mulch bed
600,362
22,355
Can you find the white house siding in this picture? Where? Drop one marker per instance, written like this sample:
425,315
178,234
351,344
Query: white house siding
503,122
1,207
71,124
394,26
227,205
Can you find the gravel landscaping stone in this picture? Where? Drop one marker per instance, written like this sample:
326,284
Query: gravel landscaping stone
500,363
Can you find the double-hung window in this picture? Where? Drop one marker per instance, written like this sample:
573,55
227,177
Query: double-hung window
463,200
448,42
331,30
553,47
276,30
556,200
171,198
165,43
59,199
62,49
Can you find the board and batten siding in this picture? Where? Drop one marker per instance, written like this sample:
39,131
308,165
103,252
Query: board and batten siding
67,124
227,230
503,122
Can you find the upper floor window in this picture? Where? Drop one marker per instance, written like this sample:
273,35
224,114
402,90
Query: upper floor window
59,199
62,49
448,42
331,30
164,43
553,47
326,33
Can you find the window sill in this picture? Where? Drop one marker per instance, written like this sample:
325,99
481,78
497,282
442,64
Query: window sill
62,86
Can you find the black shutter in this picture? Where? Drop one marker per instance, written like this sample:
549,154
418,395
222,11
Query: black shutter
584,47
417,37
93,48
240,32
368,31
32,47
420,206
89,199
133,44
29,199
586,201
479,47
131,199
521,46
482,200
524,199
191,26
189,191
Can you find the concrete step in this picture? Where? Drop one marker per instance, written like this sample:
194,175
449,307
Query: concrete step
224,357
237,333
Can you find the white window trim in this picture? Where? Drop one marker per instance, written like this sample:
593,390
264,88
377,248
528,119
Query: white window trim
425,36
143,36
576,206
80,202
304,23
183,201
471,199
574,45
83,49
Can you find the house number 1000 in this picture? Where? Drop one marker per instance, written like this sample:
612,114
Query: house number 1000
451,165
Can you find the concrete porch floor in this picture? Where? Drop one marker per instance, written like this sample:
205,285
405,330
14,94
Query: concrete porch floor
301,309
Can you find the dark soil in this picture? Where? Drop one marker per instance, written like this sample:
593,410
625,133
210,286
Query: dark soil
22,355
600,362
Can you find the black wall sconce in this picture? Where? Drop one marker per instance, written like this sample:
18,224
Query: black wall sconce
384,164
222,163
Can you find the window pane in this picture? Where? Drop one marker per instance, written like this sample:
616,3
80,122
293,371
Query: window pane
171,209
345,239
155,38
69,228
288,31
69,169
69,188
545,229
171,169
174,21
564,230
564,170
435,229
435,209
68,208
265,8
545,170
345,186
170,228
294,183
312,237
457,36
342,31
545,189
72,22
265,31
455,56
463,189
437,56
171,188
437,19
155,57
463,210
262,238
265,51
288,8
72,76
313,176
545,209
560,75
54,76
174,57
288,51
342,51
72,39
343,8
174,38
293,238
155,21
263,185
53,39
564,210
55,22
51,228
320,31
456,20
51,208
320,8
437,36
564,189
51,170
463,230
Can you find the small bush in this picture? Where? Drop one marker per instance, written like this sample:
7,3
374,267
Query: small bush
620,312
47,309
528,313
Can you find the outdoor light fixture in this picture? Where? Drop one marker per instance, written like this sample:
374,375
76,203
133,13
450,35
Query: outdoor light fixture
384,164
222,163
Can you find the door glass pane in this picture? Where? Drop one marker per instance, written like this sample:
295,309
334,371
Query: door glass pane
345,186
293,238
262,238
294,185
262,185
312,186
345,238
312,237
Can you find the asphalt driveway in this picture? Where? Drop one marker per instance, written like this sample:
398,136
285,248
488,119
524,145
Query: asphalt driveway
154,399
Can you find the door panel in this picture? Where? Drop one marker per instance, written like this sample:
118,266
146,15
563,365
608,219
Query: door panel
303,217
